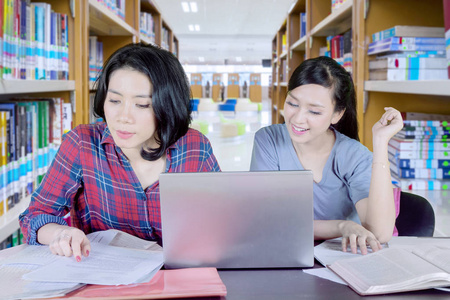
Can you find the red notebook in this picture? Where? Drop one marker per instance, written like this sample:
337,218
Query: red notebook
166,284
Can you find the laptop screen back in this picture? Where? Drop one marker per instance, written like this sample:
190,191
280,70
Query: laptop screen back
237,219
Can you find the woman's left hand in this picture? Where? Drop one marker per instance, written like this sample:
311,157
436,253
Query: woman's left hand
389,124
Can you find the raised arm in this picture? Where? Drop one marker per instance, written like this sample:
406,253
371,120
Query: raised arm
377,212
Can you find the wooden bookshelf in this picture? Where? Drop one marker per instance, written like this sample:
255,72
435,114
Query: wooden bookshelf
364,18
9,222
85,18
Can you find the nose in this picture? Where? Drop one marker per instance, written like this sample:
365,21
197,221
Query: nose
300,116
125,114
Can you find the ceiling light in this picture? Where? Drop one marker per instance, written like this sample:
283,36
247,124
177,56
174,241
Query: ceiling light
238,58
185,6
201,59
194,6
197,27
191,27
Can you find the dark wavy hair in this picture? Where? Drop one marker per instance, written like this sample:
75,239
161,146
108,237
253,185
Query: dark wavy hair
326,72
171,91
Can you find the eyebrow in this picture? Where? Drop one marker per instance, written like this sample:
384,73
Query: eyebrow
135,96
311,104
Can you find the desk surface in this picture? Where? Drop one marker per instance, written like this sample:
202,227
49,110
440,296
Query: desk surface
295,284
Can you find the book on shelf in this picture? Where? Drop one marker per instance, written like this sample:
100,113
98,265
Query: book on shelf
423,173
408,31
431,123
399,54
409,184
302,24
408,63
404,47
422,163
398,40
394,270
407,74
447,32
418,144
419,116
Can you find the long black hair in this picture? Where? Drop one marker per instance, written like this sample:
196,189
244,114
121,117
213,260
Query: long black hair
170,93
326,72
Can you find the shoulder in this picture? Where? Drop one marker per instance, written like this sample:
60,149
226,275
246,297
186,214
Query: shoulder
350,155
277,133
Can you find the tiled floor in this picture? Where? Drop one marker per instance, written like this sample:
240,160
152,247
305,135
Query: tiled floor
234,154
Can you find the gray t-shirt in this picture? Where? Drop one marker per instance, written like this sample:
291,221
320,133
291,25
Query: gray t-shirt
345,178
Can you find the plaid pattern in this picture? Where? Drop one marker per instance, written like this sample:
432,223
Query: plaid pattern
92,179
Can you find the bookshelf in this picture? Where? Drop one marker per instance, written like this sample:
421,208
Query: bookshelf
364,18
85,18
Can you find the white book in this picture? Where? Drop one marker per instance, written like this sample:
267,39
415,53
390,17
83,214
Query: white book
408,74
396,270
408,62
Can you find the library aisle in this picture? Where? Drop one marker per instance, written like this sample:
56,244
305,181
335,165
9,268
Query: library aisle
234,154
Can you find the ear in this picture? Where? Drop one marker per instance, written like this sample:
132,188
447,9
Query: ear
337,115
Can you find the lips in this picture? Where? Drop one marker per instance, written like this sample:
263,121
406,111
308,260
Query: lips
124,134
298,130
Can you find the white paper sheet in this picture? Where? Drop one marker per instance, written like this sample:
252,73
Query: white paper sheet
325,274
12,286
106,265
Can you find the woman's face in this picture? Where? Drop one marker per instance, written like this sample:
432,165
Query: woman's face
309,112
128,110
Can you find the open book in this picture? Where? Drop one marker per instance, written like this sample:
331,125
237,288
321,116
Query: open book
396,270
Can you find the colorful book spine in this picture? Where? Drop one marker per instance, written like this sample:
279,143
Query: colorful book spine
404,47
419,154
447,32
397,54
435,173
408,63
414,145
410,31
408,74
40,43
409,40
3,164
421,184
430,123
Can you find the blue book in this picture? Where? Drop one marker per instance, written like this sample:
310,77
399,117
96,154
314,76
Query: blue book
409,40
424,173
40,43
13,152
404,47
405,163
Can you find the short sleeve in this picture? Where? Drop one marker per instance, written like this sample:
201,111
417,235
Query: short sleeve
264,154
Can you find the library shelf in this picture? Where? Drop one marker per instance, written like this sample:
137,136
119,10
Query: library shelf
299,45
335,23
9,222
104,22
284,84
283,55
35,86
422,87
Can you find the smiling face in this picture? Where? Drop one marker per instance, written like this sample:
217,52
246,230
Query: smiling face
128,110
309,112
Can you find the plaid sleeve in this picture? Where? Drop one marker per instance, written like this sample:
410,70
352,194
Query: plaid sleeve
53,198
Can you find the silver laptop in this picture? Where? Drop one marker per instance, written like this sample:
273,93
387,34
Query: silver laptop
237,219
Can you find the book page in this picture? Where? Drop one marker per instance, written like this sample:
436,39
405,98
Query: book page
438,256
386,270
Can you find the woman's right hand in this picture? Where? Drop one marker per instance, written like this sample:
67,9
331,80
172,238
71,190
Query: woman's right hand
64,240
355,235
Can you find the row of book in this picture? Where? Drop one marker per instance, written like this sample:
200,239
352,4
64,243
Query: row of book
339,48
34,41
165,40
408,53
419,155
336,4
447,32
95,58
31,131
147,26
116,6
13,240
